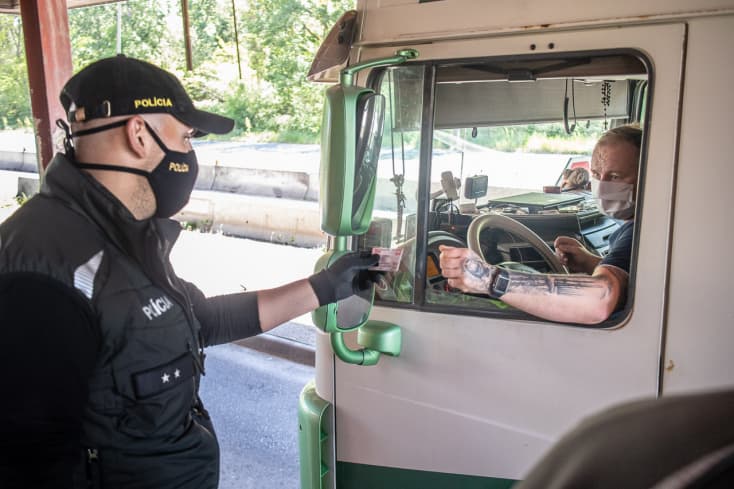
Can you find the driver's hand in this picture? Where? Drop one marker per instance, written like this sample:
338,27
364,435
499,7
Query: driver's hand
464,269
575,256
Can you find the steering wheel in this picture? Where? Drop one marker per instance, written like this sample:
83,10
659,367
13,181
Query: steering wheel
509,225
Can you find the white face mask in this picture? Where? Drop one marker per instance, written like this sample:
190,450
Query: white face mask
615,199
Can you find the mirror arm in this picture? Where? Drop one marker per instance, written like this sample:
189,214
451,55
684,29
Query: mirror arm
364,356
346,77
340,243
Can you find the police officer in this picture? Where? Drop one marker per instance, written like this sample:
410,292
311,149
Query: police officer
102,344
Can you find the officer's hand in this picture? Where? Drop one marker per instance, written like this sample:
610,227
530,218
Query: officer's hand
346,276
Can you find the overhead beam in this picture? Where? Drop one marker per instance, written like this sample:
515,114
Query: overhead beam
13,6
48,56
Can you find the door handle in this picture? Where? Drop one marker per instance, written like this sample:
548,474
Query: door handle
377,338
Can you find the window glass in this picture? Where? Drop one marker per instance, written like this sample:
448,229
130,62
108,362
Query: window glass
510,138
393,224
515,171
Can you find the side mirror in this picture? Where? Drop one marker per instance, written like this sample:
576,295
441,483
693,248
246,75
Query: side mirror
333,53
350,148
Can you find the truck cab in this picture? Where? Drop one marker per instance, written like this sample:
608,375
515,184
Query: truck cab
476,132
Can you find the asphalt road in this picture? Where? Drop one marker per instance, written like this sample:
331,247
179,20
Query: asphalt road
253,401
220,264
252,396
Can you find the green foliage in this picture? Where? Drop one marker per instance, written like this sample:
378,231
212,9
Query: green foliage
208,83
297,137
250,109
144,32
539,138
282,37
278,39
212,29
21,199
15,105
202,226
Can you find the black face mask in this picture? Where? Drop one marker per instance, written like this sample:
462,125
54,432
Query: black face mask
171,181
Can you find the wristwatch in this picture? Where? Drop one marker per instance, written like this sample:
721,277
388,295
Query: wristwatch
500,282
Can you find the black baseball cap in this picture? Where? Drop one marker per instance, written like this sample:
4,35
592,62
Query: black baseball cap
121,85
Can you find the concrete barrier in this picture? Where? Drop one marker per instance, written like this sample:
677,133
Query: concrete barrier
270,205
24,161
16,183
251,181
271,219
287,221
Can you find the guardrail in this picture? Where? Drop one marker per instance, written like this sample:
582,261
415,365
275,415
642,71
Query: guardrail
270,205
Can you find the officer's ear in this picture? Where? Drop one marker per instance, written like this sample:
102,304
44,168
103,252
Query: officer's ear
138,139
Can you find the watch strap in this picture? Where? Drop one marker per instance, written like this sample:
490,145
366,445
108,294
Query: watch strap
500,282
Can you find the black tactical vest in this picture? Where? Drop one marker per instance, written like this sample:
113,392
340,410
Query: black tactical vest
144,426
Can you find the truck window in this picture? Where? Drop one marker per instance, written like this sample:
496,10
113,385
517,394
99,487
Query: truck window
499,137
396,199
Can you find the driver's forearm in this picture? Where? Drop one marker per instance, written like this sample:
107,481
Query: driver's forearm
591,263
564,298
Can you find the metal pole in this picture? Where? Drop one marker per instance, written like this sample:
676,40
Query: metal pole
236,40
48,56
119,28
187,34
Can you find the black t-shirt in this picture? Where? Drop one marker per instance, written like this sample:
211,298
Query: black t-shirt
620,247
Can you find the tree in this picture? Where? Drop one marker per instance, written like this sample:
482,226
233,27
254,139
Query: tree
15,107
145,32
282,37
212,29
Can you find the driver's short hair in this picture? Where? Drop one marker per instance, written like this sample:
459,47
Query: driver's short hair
630,133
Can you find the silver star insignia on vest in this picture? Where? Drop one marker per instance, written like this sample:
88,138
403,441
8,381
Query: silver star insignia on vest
165,378
176,374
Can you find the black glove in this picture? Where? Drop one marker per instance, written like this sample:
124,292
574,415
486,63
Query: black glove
346,276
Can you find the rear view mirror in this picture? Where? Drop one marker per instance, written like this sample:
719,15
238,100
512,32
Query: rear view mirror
334,51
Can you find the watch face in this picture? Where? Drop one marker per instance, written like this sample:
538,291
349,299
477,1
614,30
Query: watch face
499,283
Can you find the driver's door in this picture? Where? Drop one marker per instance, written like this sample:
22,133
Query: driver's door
480,390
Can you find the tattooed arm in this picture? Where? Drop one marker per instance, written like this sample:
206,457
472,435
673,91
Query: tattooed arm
566,298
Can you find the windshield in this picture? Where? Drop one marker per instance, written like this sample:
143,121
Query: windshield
516,159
